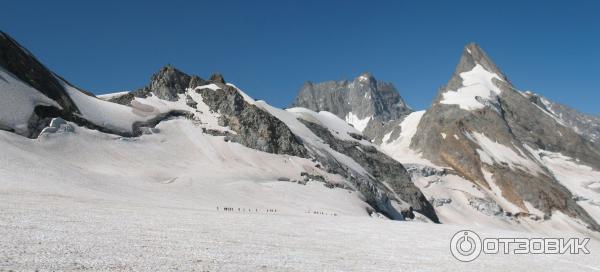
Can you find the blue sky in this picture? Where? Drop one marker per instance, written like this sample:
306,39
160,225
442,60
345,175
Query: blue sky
269,48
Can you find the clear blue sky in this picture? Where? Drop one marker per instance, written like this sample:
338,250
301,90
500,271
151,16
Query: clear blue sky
269,48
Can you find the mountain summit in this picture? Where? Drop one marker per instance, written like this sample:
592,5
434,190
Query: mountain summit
490,133
473,55
365,103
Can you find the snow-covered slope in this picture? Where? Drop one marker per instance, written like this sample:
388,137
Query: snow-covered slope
177,164
338,127
169,232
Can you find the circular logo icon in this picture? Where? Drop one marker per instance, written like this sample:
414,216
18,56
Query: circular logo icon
465,246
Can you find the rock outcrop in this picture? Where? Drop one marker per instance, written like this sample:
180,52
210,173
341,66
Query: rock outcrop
165,84
254,127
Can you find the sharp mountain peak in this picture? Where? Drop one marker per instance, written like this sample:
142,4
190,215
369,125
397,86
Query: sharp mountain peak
472,55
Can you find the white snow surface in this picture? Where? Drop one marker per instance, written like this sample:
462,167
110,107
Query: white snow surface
108,96
17,102
106,114
477,83
356,122
100,235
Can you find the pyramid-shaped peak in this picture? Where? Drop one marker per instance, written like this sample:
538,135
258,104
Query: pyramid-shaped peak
472,55
473,48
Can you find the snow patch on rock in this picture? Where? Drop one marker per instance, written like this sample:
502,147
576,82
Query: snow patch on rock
492,152
356,122
399,149
338,127
478,85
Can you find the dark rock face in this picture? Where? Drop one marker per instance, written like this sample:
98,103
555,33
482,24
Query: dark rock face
364,97
383,169
21,63
165,84
509,119
255,128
